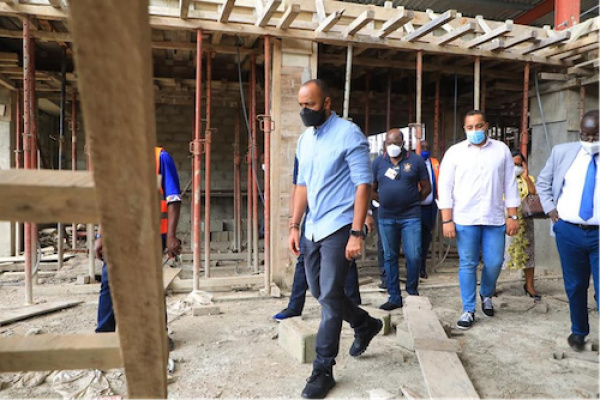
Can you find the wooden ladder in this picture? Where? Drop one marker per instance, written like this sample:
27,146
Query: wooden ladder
114,70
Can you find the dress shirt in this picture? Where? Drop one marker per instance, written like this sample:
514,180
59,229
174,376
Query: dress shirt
477,183
333,162
569,200
429,199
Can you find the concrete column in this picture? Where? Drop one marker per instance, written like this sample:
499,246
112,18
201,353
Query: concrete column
562,118
294,62
7,245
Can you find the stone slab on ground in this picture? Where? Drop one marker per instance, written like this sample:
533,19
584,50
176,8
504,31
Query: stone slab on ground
200,311
298,338
383,315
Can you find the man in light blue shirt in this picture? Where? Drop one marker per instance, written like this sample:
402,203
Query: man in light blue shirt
334,180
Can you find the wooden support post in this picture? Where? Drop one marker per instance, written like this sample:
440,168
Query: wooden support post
477,80
114,64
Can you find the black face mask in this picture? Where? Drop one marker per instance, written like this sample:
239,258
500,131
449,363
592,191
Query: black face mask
312,117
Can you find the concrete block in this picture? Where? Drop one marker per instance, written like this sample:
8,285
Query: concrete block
298,338
405,339
83,280
215,226
383,315
199,311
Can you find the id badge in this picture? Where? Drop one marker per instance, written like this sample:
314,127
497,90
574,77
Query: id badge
390,173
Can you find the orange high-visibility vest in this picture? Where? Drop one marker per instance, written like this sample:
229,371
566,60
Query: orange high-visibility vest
164,209
435,164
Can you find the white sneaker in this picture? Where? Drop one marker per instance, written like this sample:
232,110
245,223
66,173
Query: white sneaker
466,320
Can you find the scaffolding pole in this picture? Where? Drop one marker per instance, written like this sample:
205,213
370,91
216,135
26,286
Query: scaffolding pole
196,149
525,111
27,150
61,146
267,152
207,149
74,157
254,161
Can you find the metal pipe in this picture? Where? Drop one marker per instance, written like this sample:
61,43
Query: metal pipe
27,148
483,92
197,160
267,125
419,96
61,145
388,109
249,205
237,187
476,83
207,139
436,119
34,146
348,81
18,160
525,111
89,228
581,101
455,108
74,155
254,161
367,102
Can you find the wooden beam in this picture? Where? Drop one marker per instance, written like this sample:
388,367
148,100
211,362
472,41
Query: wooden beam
320,10
457,33
56,3
549,76
573,46
402,17
560,37
587,68
184,8
47,196
19,314
577,52
483,24
430,26
330,21
359,23
267,13
117,99
478,41
225,11
59,352
289,16
530,36
7,82
433,15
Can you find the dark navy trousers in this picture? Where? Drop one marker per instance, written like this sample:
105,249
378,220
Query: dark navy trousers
428,217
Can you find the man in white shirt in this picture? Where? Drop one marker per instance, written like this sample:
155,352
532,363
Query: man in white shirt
568,189
477,181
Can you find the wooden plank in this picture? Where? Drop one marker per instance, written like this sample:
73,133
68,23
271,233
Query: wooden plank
445,376
289,16
528,37
19,314
268,12
450,345
330,21
430,26
46,196
402,17
457,33
577,52
549,76
359,23
45,258
184,8
560,37
573,46
7,82
58,352
478,41
225,11
217,284
114,69
320,10
169,273
446,27
587,68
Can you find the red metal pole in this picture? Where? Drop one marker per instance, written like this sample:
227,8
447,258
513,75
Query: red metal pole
267,122
367,102
197,163
18,151
74,154
525,110
207,139
566,13
34,143
388,110
581,101
249,205
254,161
237,185
27,147
418,100
436,119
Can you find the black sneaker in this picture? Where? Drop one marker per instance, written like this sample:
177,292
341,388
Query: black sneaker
361,342
577,342
389,306
382,287
486,306
466,320
424,275
318,385
287,313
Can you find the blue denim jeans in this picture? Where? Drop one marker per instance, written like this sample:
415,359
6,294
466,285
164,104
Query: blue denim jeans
471,241
578,250
407,231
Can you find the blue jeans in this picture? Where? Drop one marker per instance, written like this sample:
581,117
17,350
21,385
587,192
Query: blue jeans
380,254
470,241
578,251
407,231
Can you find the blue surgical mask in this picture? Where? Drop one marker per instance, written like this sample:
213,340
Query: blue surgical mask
425,154
476,137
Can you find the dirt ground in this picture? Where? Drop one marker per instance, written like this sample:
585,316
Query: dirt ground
236,354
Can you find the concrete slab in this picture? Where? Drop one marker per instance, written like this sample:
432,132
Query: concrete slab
200,311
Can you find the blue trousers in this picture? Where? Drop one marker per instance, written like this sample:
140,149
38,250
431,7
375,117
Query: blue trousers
578,251
393,232
428,217
327,273
470,241
380,253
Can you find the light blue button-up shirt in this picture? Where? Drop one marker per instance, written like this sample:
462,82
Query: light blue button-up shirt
333,161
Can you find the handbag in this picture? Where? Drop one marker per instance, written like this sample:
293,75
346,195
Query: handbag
531,207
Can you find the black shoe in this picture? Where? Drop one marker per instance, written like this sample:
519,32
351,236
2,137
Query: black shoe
318,385
361,342
382,287
389,306
287,313
577,342
424,275
171,344
487,306
466,320
533,296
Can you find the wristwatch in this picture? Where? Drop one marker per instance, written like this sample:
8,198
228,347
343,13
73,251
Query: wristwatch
356,233
513,217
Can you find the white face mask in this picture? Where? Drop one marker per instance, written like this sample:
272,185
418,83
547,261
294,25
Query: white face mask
518,170
591,147
393,150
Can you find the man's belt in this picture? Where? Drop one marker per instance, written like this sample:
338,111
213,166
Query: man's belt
584,226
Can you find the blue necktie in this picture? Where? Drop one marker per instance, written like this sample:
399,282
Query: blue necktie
586,210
